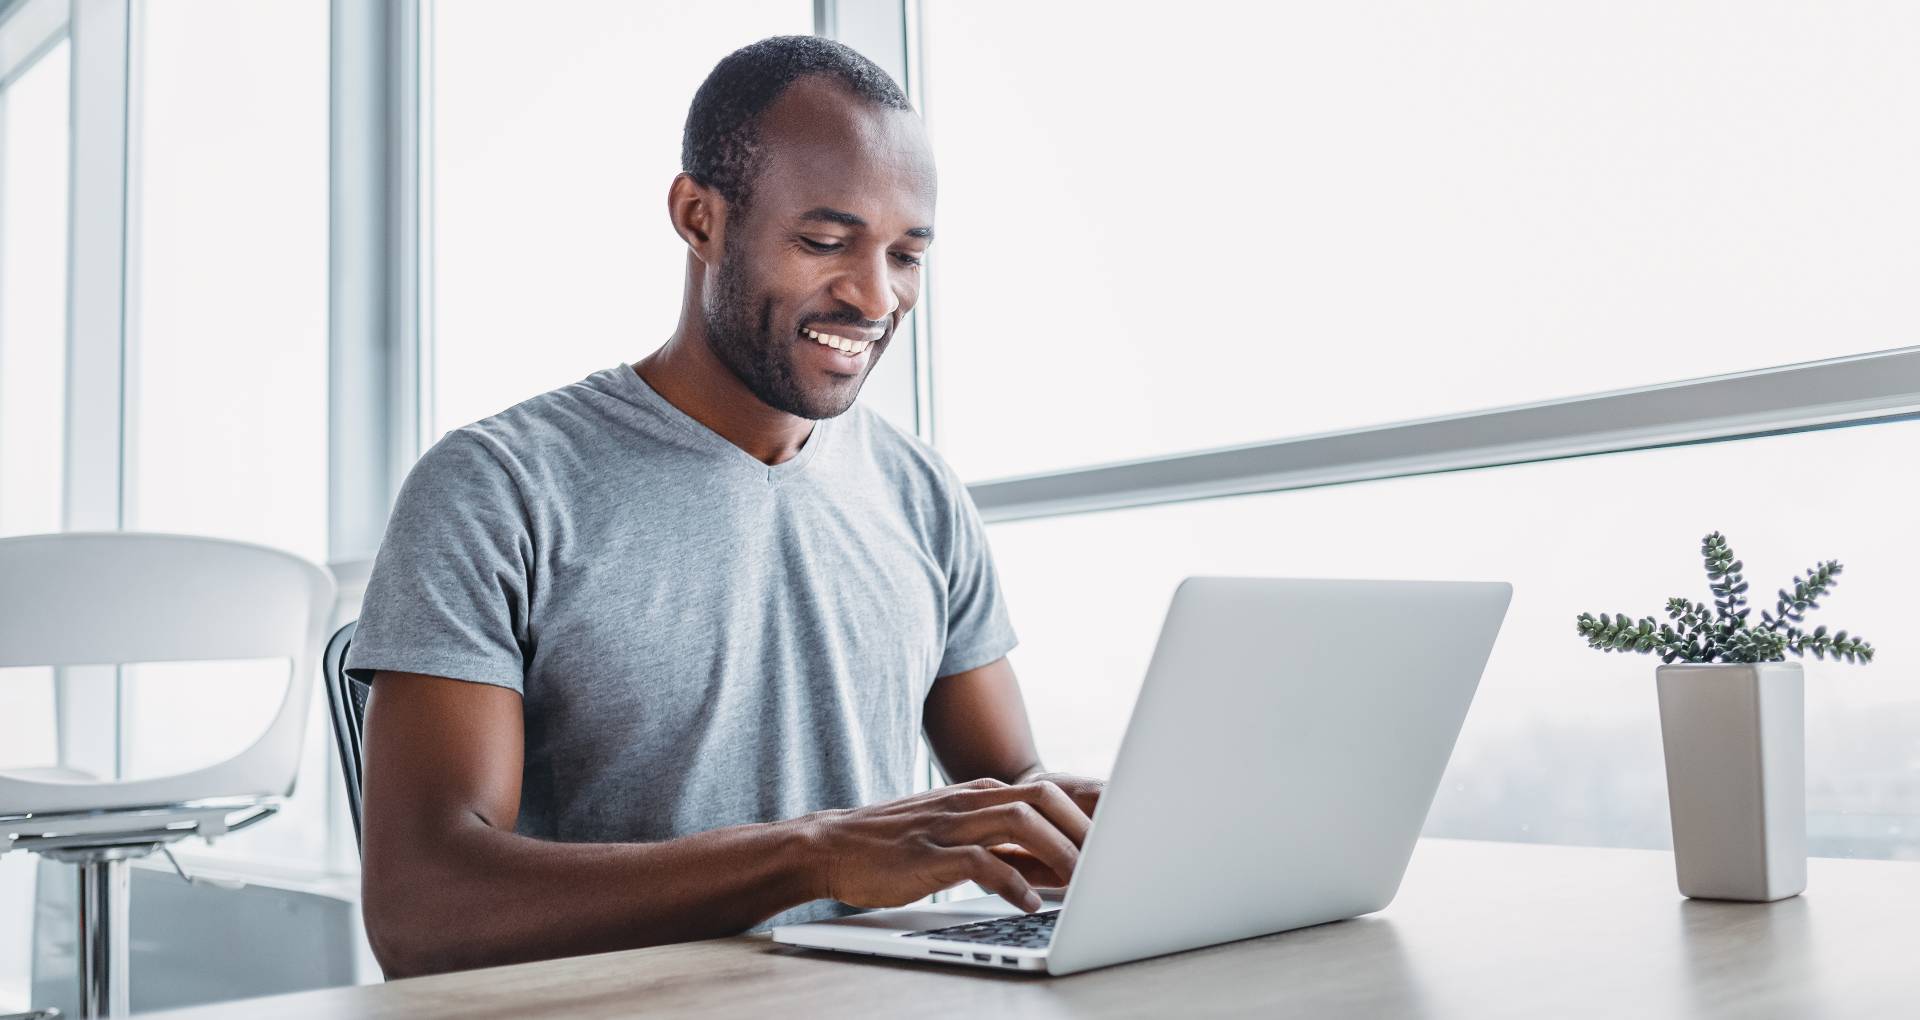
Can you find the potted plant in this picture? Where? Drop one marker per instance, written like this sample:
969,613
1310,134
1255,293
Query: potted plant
1731,722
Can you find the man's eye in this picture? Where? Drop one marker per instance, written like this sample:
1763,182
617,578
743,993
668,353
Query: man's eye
907,258
822,246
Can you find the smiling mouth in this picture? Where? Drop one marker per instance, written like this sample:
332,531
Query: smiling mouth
845,345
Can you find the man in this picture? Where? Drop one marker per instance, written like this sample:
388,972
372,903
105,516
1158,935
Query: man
651,652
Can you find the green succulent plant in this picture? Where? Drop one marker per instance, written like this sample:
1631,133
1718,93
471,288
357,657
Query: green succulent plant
1694,633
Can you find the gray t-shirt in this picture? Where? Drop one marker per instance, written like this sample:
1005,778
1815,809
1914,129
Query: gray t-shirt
699,639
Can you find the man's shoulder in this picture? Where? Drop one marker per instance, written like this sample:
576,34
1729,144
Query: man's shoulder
898,451
563,410
568,420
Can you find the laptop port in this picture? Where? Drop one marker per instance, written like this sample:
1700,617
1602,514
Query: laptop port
943,952
1010,961
983,957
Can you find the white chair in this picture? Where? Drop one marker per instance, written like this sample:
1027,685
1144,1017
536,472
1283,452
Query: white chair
110,598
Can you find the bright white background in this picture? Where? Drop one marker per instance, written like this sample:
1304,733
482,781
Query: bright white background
33,246
33,274
1166,231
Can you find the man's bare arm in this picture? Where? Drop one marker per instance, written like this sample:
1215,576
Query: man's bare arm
976,723
448,884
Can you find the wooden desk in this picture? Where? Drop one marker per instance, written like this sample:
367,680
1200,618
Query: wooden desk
1479,930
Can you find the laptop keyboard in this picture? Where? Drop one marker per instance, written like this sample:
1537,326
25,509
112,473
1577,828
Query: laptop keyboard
1025,931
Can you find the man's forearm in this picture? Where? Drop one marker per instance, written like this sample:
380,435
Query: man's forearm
473,895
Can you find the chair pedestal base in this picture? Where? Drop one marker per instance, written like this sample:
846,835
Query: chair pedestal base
102,944
103,938
99,844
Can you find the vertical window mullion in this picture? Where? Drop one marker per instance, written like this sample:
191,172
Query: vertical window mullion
97,347
97,260
376,393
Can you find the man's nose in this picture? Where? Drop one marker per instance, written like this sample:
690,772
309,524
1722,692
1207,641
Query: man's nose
868,287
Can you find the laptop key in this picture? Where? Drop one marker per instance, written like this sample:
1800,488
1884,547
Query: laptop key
1024,931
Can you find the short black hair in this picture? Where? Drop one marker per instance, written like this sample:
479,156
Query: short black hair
720,146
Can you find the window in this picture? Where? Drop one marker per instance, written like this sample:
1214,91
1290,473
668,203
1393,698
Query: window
1255,221
33,290
33,286
227,406
555,133
1562,743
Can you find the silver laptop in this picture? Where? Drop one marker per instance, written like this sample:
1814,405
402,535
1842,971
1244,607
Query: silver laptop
1279,764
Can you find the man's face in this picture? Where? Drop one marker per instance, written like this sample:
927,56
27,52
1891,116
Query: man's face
828,248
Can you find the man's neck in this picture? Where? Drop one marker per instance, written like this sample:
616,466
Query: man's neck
687,375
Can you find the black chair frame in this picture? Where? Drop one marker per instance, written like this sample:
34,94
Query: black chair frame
347,700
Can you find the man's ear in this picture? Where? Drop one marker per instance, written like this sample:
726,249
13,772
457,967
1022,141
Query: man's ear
699,216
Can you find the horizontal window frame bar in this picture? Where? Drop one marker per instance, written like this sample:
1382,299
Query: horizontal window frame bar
1852,390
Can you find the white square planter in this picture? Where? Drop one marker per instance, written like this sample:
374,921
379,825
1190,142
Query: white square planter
1736,777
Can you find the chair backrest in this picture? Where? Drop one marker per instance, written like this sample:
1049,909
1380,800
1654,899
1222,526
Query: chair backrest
347,698
111,598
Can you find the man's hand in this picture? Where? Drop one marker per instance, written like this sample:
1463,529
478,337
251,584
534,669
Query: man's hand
1085,790
1006,838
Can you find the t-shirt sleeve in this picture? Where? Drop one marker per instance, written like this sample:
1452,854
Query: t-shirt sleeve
978,630
448,594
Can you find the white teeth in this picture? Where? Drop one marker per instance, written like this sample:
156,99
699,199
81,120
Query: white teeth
838,343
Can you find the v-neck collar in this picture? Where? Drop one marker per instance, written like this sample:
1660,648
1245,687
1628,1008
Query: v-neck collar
641,392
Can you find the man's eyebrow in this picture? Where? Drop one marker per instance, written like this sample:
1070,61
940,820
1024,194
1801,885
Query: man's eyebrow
829,215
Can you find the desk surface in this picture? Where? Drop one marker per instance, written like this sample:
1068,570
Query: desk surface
1478,930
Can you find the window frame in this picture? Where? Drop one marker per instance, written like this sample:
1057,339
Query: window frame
1853,390
103,55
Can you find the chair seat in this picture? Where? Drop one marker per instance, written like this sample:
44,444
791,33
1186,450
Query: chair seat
50,774
58,791
156,825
